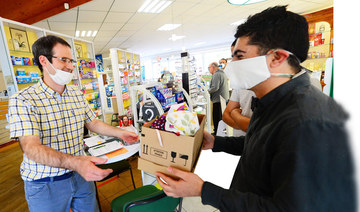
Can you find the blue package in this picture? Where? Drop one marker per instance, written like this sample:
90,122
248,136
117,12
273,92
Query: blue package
12,59
19,61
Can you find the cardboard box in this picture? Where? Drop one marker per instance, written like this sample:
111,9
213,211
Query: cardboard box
176,151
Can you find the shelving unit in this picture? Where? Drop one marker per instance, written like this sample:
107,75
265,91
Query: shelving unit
17,60
89,79
125,73
320,55
20,70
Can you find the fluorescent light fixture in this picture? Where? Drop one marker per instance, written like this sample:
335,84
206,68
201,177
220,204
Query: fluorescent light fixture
151,5
239,22
154,6
168,27
176,37
147,2
165,6
244,2
200,43
84,33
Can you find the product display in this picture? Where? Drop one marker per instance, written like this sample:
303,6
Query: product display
88,79
123,73
320,48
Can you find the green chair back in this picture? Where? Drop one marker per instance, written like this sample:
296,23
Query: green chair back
150,198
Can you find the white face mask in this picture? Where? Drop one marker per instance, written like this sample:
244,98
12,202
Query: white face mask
60,77
247,73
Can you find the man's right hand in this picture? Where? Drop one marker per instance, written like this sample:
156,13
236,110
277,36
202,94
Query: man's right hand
208,141
85,166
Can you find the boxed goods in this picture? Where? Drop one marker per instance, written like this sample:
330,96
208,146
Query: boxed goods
161,149
20,72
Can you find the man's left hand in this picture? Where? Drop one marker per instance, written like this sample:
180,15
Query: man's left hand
129,137
188,185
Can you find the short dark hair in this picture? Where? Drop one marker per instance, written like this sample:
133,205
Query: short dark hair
44,46
233,43
275,28
223,59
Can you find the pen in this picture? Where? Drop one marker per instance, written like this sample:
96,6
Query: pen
99,147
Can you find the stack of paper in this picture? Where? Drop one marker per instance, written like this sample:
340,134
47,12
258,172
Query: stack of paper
102,149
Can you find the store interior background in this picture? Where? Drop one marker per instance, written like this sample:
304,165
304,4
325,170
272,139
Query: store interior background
208,27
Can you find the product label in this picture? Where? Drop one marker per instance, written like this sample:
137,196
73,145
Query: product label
158,153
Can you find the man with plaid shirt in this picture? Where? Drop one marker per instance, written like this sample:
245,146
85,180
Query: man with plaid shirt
48,119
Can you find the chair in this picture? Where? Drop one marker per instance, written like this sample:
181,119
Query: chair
114,118
117,167
145,199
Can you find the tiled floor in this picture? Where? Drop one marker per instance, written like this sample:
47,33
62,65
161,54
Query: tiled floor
12,197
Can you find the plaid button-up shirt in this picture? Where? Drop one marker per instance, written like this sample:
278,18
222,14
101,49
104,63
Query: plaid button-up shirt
59,121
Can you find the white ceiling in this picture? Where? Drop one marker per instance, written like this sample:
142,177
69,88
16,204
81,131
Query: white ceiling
119,25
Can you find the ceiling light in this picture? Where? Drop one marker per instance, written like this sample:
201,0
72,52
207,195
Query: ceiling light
244,2
84,33
168,27
176,37
164,6
200,43
154,6
239,22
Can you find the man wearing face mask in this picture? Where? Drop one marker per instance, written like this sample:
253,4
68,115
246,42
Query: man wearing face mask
295,155
48,119
218,87
223,63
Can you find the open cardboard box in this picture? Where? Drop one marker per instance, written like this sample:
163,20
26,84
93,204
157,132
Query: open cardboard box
176,151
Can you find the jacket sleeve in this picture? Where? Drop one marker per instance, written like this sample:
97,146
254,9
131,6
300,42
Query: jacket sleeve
231,145
311,170
215,83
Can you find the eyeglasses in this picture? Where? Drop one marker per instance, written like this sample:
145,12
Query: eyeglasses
65,60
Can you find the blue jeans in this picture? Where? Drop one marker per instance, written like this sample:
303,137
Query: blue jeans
74,192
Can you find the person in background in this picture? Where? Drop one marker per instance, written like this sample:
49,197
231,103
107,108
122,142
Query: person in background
48,119
223,63
218,87
126,122
295,155
238,111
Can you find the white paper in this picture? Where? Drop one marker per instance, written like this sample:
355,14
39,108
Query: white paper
105,148
92,141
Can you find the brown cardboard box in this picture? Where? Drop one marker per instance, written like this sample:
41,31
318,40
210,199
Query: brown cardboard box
177,151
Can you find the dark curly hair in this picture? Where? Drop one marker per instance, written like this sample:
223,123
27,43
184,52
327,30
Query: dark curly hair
275,28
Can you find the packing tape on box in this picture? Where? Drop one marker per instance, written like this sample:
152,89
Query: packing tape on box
159,137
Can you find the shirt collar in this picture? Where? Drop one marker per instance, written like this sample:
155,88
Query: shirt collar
302,80
47,90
